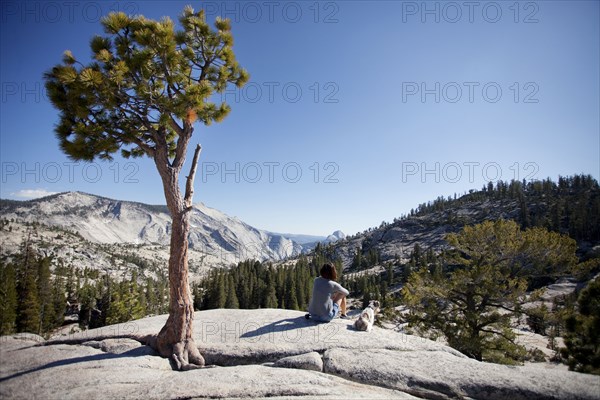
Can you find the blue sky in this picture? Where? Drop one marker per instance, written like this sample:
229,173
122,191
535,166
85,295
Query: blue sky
356,111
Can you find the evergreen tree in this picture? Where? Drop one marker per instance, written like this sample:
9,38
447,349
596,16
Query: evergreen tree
232,300
280,287
390,274
291,298
44,286
8,298
28,309
357,260
58,299
245,295
147,85
87,302
105,290
583,332
270,296
152,298
117,310
495,262
220,293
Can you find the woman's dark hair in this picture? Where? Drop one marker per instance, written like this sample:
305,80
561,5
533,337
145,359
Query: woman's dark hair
328,272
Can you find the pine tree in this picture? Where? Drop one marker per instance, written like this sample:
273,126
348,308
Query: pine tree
28,310
280,287
524,212
270,296
8,299
291,299
300,295
137,298
44,286
152,306
220,293
59,302
583,332
117,310
390,274
232,300
87,302
494,263
70,285
105,289
357,260
245,292
146,87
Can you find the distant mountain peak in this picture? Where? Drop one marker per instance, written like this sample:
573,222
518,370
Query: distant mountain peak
335,236
222,238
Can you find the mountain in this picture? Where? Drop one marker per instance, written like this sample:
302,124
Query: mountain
101,233
335,236
216,239
309,242
302,239
570,206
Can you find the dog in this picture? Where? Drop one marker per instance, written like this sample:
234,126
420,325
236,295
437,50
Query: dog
367,317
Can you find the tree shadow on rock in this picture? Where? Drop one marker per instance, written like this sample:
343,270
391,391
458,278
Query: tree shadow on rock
283,325
137,352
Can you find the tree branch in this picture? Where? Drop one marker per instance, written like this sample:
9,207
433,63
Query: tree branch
181,147
149,150
189,184
502,306
512,340
175,126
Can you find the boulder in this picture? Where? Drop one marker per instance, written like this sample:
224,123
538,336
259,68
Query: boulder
440,375
82,372
119,346
28,337
310,361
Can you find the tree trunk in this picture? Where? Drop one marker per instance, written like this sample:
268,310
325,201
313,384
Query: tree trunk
175,339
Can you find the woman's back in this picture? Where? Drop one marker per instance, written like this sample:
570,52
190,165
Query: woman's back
320,303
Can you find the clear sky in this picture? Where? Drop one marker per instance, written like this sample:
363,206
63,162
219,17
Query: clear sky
356,112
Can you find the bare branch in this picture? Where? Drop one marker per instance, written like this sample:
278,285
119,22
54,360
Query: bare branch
189,184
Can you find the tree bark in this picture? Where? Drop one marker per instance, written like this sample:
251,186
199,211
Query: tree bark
175,340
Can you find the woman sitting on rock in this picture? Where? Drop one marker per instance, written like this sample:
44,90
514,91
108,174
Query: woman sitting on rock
328,296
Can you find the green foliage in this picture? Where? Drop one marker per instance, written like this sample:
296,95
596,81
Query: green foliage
252,284
571,205
126,304
586,270
44,286
147,84
8,299
583,332
488,271
28,308
538,319
232,300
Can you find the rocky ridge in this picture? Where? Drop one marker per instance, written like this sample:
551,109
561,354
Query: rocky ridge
88,231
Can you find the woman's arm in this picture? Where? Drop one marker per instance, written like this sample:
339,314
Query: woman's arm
339,288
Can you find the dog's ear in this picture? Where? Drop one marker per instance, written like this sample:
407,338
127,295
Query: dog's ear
376,303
